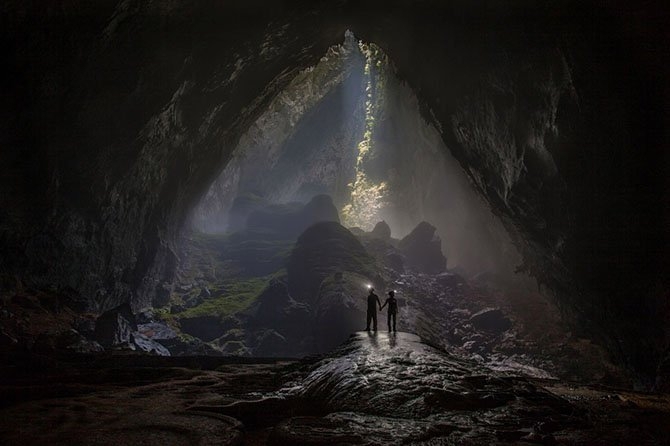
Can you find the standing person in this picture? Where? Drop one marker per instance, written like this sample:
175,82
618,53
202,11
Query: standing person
373,302
393,309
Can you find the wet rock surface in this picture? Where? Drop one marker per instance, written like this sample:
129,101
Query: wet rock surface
375,389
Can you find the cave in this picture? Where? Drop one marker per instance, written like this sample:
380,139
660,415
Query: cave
198,197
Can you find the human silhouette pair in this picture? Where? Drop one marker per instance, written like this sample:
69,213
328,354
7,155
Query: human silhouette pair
374,302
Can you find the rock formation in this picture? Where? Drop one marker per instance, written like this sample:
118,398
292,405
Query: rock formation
423,249
322,250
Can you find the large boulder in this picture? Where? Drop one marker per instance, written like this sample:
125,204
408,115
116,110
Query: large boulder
147,345
116,326
382,231
422,249
322,250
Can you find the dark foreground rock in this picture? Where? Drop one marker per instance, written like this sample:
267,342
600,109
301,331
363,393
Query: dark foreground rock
375,389
116,326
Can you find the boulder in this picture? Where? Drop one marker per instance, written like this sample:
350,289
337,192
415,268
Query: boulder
157,331
422,249
491,319
322,250
382,231
115,326
143,343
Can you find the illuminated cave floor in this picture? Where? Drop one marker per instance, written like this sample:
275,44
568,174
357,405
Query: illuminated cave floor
375,389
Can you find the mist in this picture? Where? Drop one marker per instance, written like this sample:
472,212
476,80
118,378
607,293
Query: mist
351,129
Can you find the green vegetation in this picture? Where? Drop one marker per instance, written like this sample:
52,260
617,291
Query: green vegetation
237,297
368,197
234,269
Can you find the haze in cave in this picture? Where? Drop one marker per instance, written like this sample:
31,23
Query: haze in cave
198,199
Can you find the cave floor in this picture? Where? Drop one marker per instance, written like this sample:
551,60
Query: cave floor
377,388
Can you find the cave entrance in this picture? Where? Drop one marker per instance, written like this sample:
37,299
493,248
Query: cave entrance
344,142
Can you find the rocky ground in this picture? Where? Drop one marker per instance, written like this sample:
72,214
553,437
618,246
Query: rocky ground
375,389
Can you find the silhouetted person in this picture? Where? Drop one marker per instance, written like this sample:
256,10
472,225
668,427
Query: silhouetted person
393,309
373,302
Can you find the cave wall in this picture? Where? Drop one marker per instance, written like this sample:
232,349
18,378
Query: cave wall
151,100
118,116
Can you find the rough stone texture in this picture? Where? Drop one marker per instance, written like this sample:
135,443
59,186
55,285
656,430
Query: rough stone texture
119,116
307,266
491,319
373,390
115,326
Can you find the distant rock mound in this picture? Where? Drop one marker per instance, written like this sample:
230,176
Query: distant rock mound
241,208
382,231
291,219
422,249
324,249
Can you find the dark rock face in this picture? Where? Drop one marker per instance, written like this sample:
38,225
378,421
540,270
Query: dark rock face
423,249
116,326
275,308
491,319
320,251
340,310
206,328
